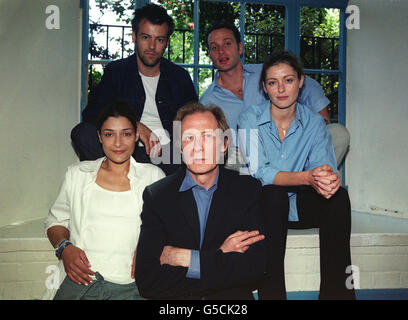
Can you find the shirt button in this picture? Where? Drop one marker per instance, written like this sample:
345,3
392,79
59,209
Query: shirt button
282,156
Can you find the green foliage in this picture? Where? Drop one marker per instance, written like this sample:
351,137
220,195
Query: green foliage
264,32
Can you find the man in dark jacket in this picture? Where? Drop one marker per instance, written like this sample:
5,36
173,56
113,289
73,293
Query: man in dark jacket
152,86
200,236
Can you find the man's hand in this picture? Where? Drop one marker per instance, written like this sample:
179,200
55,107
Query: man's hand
240,241
76,265
176,257
149,139
324,181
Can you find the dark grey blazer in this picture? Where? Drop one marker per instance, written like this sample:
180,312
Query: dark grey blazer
170,217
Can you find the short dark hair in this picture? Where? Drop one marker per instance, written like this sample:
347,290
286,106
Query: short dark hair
278,57
156,15
116,109
222,24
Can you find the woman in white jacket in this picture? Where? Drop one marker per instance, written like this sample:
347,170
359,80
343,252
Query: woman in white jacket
94,223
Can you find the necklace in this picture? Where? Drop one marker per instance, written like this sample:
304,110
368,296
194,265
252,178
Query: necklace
283,130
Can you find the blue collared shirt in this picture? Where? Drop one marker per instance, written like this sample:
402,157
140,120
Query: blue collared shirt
306,145
311,95
203,200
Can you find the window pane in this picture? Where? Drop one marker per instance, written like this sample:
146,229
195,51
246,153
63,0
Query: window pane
110,32
181,46
205,76
211,12
264,31
330,85
319,43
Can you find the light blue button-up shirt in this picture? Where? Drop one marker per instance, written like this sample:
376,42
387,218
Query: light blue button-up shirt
203,200
311,95
306,145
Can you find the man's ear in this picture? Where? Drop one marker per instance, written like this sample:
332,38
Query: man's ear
240,48
133,37
226,143
302,80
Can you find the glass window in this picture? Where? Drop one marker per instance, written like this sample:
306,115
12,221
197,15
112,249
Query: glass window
264,24
319,50
264,31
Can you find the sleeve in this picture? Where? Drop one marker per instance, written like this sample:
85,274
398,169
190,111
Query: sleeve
159,174
322,150
103,93
224,270
194,268
190,93
204,98
157,281
312,95
60,212
252,148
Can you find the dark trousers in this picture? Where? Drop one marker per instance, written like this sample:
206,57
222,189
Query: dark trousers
332,217
87,146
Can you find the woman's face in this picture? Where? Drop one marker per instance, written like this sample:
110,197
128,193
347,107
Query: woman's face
118,139
282,85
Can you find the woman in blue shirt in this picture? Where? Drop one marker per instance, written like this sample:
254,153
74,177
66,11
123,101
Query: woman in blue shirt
288,147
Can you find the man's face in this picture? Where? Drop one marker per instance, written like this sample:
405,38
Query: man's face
224,50
151,42
202,142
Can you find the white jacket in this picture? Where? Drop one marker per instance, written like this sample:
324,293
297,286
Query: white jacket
70,207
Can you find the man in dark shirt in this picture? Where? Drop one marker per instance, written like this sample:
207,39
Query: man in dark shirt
152,86
200,236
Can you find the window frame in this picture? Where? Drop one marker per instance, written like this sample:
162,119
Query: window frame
292,40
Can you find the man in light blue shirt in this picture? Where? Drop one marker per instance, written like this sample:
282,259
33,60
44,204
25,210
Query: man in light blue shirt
237,86
203,199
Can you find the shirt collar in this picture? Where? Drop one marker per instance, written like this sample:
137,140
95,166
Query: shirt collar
265,115
246,70
189,183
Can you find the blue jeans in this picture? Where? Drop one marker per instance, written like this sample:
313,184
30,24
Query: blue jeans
99,289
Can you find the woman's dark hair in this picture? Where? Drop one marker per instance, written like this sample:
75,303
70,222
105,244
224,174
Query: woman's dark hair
156,15
278,57
116,109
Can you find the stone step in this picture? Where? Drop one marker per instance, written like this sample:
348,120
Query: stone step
379,247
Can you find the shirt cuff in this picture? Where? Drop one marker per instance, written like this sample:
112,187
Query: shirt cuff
194,268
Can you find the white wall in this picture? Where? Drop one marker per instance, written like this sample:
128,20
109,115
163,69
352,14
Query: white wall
377,108
39,104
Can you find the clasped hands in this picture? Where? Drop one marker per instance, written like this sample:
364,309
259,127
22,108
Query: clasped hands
239,241
324,180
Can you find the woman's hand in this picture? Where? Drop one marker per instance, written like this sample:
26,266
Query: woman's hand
132,272
76,265
324,181
240,241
